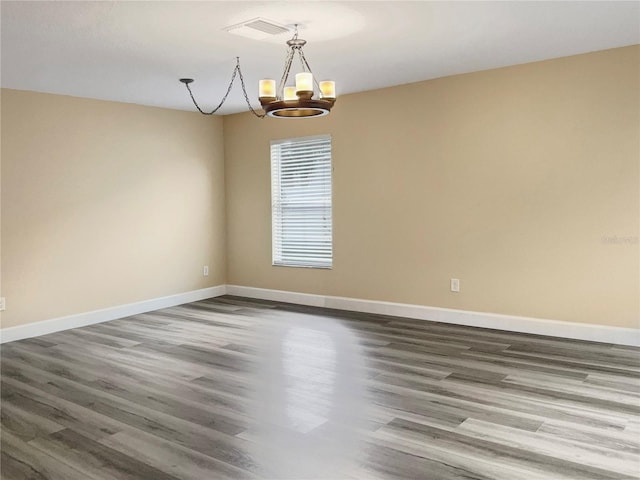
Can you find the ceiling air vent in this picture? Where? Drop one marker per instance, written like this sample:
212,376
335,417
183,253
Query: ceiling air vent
257,28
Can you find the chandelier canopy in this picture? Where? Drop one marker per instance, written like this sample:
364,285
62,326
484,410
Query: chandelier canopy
284,101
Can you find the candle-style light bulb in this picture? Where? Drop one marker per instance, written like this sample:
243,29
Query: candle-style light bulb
328,89
267,88
304,82
290,93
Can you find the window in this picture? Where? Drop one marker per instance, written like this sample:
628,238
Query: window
301,202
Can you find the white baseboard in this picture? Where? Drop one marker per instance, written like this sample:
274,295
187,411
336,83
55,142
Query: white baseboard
44,327
537,326
553,328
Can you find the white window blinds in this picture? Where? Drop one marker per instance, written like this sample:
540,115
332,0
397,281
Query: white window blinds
301,202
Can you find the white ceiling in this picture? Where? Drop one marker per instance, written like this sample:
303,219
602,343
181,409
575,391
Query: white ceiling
136,51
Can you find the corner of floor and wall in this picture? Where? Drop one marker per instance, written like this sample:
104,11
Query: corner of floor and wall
523,182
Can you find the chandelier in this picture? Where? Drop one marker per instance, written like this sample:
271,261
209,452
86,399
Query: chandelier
284,101
297,101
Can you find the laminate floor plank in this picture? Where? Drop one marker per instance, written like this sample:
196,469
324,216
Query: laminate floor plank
21,461
25,425
601,357
473,360
100,375
560,363
622,367
175,459
236,388
440,405
548,393
400,337
456,445
43,360
95,459
615,384
501,336
615,461
469,463
579,434
393,463
83,393
47,406
140,335
86,334
123,359
470,399
155,408
577,388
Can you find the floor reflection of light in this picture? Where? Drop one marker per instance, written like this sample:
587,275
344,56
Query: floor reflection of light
309,367
309,398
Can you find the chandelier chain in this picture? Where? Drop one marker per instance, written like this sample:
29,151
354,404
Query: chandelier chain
236,71
246,97
233,77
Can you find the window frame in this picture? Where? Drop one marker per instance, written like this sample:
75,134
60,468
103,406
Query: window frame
277,258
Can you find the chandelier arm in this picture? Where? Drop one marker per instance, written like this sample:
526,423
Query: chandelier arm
285,73
300,57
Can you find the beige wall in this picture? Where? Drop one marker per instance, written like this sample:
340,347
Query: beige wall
105,204
523,182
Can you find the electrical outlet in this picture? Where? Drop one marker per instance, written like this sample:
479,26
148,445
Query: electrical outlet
455,285
205,271
2,303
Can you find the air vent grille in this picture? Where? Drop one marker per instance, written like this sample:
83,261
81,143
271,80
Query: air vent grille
266,26
257,28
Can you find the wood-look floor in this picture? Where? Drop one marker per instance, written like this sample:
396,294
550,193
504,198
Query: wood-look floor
238,388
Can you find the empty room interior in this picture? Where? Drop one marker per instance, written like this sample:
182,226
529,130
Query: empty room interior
320,240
